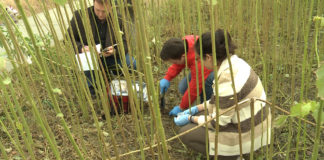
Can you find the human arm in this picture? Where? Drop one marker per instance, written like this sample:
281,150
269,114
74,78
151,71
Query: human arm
193,111
193,86
112,42
75,32
173,70
186,116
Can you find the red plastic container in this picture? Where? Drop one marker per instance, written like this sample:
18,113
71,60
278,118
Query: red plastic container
121,103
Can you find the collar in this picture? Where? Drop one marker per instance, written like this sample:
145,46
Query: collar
225,64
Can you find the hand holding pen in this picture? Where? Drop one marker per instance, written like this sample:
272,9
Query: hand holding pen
109,51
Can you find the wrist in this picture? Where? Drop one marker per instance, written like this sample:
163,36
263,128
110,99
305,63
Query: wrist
166,77
200,107
191,119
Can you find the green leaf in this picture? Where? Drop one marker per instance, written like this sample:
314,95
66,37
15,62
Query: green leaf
320,19
6,81
300,109
60,2
315,111
315,105
2,63
17,158
287,75
57,90
214,2
306,109
280,120
320,81
19,126
295,110
40,44
60,115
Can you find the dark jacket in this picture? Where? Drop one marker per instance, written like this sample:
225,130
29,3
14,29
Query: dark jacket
105,37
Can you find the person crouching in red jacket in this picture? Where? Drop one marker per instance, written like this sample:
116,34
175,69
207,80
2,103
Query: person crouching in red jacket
181,53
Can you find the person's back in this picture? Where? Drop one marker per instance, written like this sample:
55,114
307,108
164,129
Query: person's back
247,86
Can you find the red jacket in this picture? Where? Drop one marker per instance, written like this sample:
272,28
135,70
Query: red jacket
175,69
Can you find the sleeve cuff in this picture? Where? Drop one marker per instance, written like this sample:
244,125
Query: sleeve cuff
181,107
167,78
201,119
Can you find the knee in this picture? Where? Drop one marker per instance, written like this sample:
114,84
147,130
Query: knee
185,138
209,85
183,86
134,63
130,61
210,79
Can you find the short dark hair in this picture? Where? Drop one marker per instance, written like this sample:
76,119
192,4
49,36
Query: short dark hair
219,43
173,48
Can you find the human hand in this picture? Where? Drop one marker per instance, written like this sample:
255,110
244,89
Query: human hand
175,111
164,85
182,119
192,111
109,51
85,49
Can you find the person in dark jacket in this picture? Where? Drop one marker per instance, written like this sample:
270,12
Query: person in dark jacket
103,31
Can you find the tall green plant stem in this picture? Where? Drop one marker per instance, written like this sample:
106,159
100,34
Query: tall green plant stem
252,128
17,145
47,81
28,140
212,23
33,104
308,20
275,59
12,119
293,71
150,79
318,131
202,78
180,2
138,105
3,151
317,23
135,108
234,89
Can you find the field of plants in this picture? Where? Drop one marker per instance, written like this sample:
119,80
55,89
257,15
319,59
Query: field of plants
47,111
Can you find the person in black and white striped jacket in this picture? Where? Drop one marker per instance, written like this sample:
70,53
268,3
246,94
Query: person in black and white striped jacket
247,86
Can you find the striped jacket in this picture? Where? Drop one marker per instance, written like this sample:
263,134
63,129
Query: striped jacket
247,85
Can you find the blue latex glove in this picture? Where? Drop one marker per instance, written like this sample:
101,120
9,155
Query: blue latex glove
164,85
191,111
175,111
182,120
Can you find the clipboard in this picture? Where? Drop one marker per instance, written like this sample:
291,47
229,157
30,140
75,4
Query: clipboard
86,62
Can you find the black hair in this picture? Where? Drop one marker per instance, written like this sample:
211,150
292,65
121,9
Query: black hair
219,43
173,48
